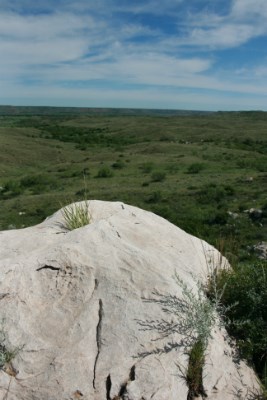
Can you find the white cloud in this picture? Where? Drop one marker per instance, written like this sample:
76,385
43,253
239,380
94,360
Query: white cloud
47,26
260,72
42,52
82,44
224,36
249,9
245,20
41,39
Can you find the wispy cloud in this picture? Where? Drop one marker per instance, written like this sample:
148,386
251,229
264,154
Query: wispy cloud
245,20
74,48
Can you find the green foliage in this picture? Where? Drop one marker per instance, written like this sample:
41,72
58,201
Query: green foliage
76,215
154,197
147,167
193,315
118,165
11,189
37,183
6,354
105,172
195,168
214,193
194,373
158,176
246,286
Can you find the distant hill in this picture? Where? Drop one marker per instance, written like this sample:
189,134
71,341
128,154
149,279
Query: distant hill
36,110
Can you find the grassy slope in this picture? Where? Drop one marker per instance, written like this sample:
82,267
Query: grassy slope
45,159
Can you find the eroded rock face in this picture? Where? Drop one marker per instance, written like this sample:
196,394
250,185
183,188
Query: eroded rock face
73,301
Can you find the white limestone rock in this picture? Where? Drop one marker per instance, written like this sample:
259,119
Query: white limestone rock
73,301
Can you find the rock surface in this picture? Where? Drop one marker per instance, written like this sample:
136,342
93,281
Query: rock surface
261,250
73,300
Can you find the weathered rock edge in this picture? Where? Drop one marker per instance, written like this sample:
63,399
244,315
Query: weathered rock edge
72,299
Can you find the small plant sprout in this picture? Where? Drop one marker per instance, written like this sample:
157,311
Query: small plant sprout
7,354
76,215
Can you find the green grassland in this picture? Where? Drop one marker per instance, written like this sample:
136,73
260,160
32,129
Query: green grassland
191,168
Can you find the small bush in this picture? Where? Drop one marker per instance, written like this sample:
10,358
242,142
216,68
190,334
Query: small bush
246,286
158,176
217,218
154,197
37,183
193,316
147,167
195,168
118,165
105,172
214,193
12,188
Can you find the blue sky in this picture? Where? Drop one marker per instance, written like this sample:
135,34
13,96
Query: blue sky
174,54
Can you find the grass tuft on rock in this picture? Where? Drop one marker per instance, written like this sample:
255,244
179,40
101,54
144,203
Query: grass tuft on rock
76,215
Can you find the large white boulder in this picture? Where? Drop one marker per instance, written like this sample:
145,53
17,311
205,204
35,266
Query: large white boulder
74,301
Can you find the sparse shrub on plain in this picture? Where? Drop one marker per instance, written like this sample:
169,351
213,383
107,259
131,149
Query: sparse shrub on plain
144,184
118,164
214,193
195,168
11,189
147,167
38,183
104,172
158,176
154,197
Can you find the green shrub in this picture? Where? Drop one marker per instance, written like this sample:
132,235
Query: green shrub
195,168
147,167
12,188
214,193
104,172
246,286
118,165
217,218
193,316
37,183
158,176
154,197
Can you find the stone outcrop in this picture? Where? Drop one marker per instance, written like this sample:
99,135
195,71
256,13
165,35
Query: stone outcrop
260,250
72,301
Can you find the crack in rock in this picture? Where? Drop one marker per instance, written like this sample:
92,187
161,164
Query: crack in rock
108,387
48,267
123,394
98,338
3,295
